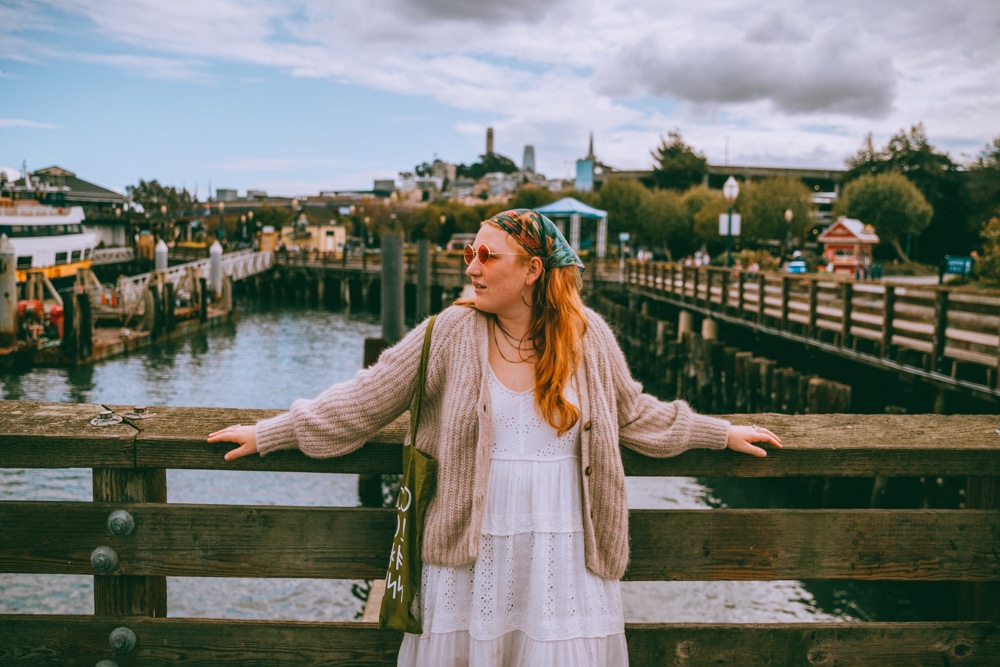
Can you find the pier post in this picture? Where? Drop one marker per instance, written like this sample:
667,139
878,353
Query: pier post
393,313
215,269
160,256
8,293
685,324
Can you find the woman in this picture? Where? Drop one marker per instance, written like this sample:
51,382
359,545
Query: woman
527,399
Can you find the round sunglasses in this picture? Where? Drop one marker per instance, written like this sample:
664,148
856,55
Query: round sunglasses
483,253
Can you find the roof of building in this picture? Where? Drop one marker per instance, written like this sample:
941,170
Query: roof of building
79,190
568,206
848,229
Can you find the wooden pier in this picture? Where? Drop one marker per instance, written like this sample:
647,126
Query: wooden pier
949,336
130,539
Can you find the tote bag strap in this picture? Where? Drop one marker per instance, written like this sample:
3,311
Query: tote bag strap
421,380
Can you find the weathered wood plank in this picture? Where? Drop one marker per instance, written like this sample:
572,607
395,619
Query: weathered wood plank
175,439
830,444
731,545
59,435
80,641
843,644
199,540
354,543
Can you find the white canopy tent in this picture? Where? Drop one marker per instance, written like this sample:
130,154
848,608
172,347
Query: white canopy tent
575,210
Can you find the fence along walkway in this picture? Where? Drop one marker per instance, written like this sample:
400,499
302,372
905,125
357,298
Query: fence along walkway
948,335
129,462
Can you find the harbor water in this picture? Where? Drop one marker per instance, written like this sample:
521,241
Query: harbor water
271,356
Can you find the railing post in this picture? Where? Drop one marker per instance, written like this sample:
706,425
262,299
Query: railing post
129,595
726,277
936,362
785,286
741,295
888,315
761,291
980,601
848,306
813,303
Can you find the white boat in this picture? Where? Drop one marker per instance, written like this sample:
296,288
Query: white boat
47,239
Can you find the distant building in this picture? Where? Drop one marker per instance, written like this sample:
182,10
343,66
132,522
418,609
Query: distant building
847,245
528,164
226,194
489,141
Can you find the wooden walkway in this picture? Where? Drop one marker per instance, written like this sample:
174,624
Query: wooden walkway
948,335
130,566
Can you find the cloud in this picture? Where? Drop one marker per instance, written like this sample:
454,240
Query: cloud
510,11
832,72
20,122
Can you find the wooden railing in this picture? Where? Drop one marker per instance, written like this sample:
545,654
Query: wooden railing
131,623
950,333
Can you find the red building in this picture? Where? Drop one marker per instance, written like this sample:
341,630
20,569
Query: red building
847,245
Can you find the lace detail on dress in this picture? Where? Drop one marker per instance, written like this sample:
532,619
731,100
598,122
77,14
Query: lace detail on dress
519,430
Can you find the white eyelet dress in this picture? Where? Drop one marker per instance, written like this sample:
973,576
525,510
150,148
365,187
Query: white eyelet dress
528,600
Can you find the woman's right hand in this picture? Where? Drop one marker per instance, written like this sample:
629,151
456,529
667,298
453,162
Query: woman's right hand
244,436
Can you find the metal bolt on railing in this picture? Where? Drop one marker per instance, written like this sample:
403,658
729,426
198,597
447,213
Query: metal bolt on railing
122,640
104,559
106,418
121,523
139,412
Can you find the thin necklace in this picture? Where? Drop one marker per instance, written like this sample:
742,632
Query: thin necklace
520,359
508,335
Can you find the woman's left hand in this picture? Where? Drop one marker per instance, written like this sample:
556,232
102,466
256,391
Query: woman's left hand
741,439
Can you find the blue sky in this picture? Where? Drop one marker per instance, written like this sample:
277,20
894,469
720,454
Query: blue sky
293,97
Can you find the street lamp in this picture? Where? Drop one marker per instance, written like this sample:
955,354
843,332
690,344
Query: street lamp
788,229
243,230
730,190
163,221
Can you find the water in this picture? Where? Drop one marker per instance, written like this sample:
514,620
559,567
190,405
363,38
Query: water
272,356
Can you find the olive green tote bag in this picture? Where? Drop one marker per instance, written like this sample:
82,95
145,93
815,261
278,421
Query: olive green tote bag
400,602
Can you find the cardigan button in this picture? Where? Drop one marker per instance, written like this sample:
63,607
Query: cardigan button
586,427
586,471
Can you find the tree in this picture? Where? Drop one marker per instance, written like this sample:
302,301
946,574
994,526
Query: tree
152,197
488,164
762,206
987,267
704,207
678,166
274,216
532,196
888,202
983,176
935,175
663,223
623,200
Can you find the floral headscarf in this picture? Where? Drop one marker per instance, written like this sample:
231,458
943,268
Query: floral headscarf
539,236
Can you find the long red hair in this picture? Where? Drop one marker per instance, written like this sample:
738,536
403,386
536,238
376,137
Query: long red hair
558,323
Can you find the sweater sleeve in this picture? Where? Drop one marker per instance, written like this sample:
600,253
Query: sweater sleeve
645,423
345,416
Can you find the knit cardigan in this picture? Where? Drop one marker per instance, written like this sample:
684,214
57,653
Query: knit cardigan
456,427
